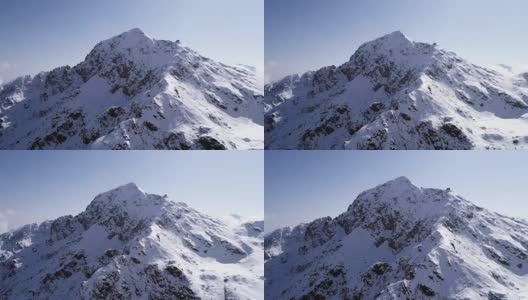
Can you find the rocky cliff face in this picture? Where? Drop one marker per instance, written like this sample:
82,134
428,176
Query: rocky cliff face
129,244
400,241
395,93
134,92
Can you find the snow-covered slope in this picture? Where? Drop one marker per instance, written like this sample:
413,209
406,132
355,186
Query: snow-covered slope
135,92
129,244
400,241
394,93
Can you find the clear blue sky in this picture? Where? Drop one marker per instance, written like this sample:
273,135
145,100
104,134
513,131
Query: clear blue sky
301,186
305,35
37,35
36,186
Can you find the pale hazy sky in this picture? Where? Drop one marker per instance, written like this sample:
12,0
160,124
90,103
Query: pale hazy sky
305,185
37,35
43,185
304,35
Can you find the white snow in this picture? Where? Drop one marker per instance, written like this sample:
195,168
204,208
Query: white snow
400,241
395,93
123,238
135,92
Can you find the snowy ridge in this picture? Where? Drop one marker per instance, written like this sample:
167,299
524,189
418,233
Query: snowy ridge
395,93
400,241
128,244
135,92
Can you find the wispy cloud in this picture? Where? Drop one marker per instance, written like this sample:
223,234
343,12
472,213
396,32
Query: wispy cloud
4,225
4,65
260,77
4,222
523,68
269,69
4,69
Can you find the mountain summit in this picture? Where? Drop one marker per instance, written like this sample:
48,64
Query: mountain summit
394,40
134,92
131,38
401,241
129,244
395,93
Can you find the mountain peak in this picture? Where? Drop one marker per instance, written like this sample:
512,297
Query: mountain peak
398,192
410,200
396,35
394,48
141,248
123,193
400,180
399,183
130,187
132,38
106,101
406,95
135,31
130,200
392,40
406,239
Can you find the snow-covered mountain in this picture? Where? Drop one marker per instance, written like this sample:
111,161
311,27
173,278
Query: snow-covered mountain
400,241
128,244
394,93
135,92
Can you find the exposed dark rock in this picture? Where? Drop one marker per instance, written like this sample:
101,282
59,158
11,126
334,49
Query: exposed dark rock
427,291
210,143
150,126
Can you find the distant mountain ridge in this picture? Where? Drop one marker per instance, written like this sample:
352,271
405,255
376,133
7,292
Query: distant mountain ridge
400,241
135,92
128,244
395,93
